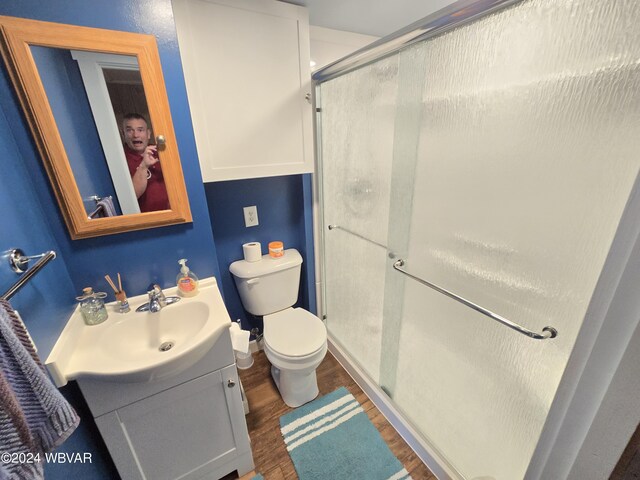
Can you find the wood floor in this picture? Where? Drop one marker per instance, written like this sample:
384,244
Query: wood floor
269,453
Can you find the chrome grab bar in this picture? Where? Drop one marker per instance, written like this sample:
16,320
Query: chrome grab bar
547,332
19,262
338,227
95,212
26,276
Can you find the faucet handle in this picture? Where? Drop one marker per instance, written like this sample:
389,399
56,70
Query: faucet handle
155,291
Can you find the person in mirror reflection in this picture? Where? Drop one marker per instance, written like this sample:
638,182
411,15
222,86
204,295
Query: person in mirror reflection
144,164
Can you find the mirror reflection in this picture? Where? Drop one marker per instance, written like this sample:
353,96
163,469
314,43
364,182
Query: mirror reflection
144,166
61,75
100,107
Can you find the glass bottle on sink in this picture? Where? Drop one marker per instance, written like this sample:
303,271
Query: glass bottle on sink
92,306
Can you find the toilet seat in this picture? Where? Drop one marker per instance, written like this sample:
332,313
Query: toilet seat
294,333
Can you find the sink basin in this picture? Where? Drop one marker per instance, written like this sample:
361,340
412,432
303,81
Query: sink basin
144,336
141,346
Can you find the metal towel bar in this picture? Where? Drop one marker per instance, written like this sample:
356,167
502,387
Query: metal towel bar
96,212
26,276
338,227
547,332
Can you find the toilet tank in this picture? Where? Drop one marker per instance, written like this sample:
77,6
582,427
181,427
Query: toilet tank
269,285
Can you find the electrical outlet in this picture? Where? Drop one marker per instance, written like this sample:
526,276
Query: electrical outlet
250,216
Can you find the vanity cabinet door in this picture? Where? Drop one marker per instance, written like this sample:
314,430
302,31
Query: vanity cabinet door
246,66
194,430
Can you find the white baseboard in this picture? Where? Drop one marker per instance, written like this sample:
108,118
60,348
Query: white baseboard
255,346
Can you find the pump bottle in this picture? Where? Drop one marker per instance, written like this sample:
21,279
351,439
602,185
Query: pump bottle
186,280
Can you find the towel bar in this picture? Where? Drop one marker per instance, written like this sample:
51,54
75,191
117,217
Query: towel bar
96,212
547,332
338,227
26,276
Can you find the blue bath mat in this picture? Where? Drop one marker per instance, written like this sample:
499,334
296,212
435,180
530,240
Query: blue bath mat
332,438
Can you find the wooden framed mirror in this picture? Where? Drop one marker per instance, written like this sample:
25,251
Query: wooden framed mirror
36,53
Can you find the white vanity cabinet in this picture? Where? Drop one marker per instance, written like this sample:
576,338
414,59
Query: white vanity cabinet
189,426
246,66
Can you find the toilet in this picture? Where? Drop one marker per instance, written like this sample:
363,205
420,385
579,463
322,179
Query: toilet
295,340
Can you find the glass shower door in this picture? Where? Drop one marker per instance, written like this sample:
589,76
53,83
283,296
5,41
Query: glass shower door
496,161
358,115
526,156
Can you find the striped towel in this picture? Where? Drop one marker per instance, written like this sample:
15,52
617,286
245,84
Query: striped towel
34,416
108,209
332,437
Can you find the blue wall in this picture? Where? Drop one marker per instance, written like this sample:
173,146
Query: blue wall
284,214
47,301
32,221
141,257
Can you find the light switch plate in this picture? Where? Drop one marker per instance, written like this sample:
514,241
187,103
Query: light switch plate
250,216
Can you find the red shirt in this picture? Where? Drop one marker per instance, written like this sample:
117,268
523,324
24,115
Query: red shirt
155,196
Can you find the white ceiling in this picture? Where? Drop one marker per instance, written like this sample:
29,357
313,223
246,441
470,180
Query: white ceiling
369,17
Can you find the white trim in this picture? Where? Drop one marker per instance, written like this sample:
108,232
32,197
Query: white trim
91,65
254,346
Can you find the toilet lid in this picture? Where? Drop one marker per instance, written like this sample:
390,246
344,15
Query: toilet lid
294,332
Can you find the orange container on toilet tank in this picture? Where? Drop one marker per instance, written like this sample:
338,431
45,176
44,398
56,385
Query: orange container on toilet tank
276,249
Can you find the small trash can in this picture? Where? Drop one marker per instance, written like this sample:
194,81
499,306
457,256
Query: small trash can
244,360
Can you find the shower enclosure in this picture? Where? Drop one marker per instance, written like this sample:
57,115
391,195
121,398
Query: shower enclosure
492,157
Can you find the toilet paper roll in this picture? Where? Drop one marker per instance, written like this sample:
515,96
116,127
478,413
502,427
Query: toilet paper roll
252,251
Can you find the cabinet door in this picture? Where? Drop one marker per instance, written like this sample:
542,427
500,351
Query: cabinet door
246,66
194,430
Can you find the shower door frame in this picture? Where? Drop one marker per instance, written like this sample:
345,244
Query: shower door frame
585,393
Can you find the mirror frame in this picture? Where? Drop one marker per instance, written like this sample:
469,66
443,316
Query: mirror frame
18,35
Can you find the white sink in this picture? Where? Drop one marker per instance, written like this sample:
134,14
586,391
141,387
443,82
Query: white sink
127,347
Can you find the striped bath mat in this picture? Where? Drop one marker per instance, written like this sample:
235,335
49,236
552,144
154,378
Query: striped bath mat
332,438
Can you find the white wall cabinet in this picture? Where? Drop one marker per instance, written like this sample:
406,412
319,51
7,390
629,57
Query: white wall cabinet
175,428
246,66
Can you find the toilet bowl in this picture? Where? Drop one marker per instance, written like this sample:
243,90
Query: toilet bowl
295,342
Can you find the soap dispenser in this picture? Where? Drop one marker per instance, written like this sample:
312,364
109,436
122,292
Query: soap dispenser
186,280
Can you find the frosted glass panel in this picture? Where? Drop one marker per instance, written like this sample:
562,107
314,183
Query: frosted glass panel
521,160
527,154
357,130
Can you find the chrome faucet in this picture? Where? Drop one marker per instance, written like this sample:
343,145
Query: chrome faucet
157,300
